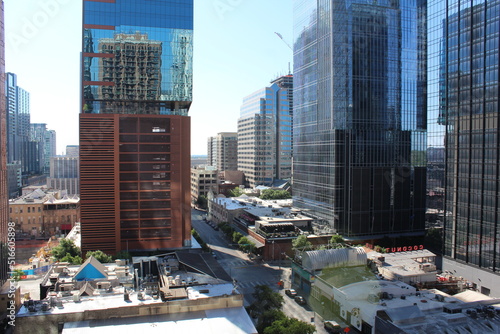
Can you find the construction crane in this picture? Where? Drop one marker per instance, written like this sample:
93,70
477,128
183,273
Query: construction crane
281,37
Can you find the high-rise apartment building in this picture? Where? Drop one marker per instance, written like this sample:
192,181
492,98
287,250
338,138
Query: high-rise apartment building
360,115
134,128
65,174
464,113
49,149
223,151
4,199
14,178
18,118
38,149
265,134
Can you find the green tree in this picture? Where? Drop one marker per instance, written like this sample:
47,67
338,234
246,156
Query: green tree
290,326
267,318
301,243
100,256
246,245
236,192
123,255
267,194
72,259
202,202
265,299
236,236
337,239
65,247
16,274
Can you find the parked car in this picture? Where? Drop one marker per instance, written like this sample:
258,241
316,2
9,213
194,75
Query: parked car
300,300
290,293
332,327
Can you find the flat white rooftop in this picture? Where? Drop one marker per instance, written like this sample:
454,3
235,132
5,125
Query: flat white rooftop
228,321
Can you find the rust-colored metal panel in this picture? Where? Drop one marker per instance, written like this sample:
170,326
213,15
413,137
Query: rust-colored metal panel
98,26
99,55
135,182
98,83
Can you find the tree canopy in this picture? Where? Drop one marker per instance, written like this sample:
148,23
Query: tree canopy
265,300
301,243
236,192
274,194
290,326
100,256
67,251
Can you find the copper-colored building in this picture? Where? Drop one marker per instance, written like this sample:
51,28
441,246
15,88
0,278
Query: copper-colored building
134,128
135,182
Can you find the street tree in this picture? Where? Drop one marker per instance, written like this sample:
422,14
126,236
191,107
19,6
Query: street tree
265,299
290,326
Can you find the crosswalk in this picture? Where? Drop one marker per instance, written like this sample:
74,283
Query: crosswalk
252,284
237,263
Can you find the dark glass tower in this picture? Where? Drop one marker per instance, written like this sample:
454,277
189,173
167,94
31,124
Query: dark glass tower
134,128
360,115
467,32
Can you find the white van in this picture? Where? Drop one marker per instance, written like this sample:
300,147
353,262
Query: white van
332,326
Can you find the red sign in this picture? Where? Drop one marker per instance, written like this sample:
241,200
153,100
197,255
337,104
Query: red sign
404,249
347,330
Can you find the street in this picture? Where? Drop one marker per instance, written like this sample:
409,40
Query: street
248,274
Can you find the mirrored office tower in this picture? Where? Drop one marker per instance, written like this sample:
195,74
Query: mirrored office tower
360,115
466,59
134,128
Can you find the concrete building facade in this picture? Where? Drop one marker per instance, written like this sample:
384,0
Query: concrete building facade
223,151
202,181
65,174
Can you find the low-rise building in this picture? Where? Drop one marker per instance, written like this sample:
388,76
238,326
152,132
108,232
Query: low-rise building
44,213
168,292
202,181
413,267
337,284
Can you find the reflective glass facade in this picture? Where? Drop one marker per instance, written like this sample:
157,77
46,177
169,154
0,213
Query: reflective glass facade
134,128
360,115
466,71
265,134
137,57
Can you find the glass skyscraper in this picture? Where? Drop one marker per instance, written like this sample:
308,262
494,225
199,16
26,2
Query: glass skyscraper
18,118
464,53
360,115
265,134
134,128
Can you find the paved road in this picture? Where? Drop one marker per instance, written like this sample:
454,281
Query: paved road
248,273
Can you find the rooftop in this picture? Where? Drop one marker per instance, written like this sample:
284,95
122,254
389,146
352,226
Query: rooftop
227,320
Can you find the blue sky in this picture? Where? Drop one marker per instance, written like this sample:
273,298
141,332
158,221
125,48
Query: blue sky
236,52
